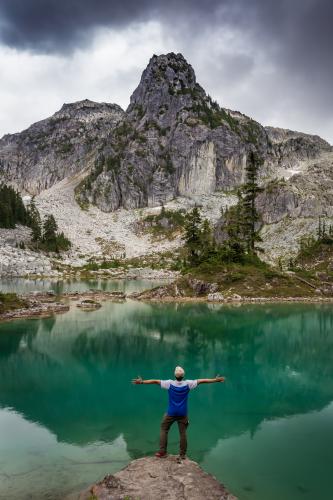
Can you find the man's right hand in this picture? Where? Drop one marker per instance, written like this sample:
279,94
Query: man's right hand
219,379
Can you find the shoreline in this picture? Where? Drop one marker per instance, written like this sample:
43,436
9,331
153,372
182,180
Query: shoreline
243,300
42,305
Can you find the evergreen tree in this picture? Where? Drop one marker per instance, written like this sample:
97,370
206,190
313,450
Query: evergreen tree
193,236
35,221
12,209
63,243
207,240
233,249
50,233
250,191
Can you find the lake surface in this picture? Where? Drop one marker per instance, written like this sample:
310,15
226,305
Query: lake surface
69,415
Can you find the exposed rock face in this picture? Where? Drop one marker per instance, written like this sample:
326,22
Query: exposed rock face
307,194
173,140
290,149
173,143
200,176
17,261
57,147
152,478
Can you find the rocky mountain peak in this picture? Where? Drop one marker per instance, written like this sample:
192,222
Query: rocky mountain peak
173,140
168,83
56,147
88,111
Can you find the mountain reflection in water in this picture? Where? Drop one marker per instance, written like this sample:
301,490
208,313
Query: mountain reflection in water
71,373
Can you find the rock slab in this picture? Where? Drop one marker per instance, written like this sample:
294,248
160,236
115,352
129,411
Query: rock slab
152,478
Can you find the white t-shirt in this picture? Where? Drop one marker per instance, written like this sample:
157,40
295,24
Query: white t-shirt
192,384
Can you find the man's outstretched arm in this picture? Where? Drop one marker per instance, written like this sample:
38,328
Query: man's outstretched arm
210,380
139,380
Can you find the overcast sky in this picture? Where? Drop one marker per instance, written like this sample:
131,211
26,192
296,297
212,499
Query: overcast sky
270,59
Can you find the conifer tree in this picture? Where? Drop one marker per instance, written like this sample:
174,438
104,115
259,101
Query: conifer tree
193,236
50,233
207,240
234,249
12,209
250,191
35,221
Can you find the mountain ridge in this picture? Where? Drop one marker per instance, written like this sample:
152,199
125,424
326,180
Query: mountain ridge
172,140
173,146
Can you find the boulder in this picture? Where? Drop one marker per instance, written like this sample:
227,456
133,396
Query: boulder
153,478
202,287
215,297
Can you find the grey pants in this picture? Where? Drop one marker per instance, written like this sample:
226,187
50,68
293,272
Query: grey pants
165,427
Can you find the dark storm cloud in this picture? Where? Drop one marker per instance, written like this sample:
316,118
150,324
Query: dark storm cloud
292,39
297,32
60,25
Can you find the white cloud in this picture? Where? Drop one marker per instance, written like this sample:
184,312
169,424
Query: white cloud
229,63
35,86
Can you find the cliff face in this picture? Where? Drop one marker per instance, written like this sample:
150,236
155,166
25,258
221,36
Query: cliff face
57,147
290,149
305,194
172,140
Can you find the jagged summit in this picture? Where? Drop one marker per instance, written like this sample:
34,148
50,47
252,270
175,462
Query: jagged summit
57,147
172,140
168,82
87,109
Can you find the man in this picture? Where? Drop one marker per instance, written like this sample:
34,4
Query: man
177,409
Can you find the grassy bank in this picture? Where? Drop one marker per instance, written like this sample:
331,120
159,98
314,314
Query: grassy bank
10,302
246,280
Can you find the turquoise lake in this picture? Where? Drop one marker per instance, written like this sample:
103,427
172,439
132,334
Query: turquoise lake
69,415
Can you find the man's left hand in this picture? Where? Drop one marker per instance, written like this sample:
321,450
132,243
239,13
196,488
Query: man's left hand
137,380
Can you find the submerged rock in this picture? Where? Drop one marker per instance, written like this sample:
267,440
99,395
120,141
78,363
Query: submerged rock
153,478
89,304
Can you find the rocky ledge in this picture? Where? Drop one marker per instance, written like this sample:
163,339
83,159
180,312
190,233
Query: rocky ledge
150,478
34,308
43,304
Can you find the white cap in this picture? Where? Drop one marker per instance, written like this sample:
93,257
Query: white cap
179,371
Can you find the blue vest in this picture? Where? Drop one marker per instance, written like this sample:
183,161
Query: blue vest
178,400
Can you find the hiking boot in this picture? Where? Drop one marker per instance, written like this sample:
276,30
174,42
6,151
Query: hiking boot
161,454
